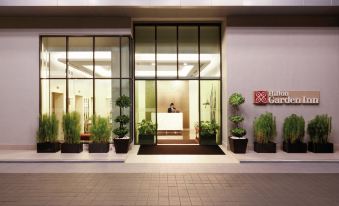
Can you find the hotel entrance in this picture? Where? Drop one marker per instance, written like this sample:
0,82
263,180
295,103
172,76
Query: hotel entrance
177,84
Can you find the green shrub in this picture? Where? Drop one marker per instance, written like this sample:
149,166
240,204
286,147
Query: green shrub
124,119
319,128
100,129
120,131
122,102
294,129
235,100
48,128
147,127
236,119
208,128
264,128
71,127
238,132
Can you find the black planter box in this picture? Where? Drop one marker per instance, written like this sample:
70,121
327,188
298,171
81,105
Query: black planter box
98,147
320,148
208,139
297,147
146,139
238,145
71,148
121,145
265,148
48,147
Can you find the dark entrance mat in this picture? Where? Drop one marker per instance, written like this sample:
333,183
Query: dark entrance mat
180,150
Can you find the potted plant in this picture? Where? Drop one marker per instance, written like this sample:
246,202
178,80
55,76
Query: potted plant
121,142
319,130
71,128
208,132
238,143
147,130
265,130
100,131
47,134
293,134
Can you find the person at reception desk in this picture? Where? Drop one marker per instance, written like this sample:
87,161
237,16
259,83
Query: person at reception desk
172,109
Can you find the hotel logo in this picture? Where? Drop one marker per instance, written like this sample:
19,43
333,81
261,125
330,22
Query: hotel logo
260,97
286,97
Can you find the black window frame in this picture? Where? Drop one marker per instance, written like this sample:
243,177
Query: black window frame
156,79
93,78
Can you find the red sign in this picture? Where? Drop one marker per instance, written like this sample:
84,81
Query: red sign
260,97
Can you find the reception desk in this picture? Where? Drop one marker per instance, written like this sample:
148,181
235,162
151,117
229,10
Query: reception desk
169,121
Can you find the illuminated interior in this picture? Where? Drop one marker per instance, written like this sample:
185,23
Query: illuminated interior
167,70
84,74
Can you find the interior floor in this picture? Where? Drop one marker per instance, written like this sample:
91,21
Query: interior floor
185,137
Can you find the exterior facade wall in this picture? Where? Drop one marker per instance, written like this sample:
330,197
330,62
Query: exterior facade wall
284,59
19,82
252,59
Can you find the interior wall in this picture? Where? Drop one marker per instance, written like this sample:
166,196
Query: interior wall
19,81
284,59
174,92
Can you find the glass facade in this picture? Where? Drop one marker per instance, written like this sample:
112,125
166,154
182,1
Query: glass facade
173,63
84,74
179,64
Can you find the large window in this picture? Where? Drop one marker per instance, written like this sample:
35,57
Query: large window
84,74
180,64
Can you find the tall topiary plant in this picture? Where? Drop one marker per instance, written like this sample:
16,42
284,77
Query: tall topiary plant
319,128
264,128
294,129
235,100
122,102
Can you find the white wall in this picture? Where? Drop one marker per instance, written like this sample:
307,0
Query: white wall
285,59
19,82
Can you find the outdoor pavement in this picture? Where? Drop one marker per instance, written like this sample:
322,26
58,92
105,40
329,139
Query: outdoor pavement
169,189
28,178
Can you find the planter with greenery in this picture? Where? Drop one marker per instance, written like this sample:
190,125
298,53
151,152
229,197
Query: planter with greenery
208,132
147,130
319,130
71,129
264,128
293,134
237,141
47,134
121,142
100,131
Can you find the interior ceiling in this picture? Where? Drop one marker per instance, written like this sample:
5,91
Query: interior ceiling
166,12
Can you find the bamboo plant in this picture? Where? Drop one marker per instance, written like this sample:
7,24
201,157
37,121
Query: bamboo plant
71,127
48,128
100,129
264,128
294,129
319,128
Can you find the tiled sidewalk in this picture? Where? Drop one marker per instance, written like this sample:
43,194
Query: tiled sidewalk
169,189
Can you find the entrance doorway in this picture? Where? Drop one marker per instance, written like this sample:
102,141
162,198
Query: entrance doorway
177,63
177,127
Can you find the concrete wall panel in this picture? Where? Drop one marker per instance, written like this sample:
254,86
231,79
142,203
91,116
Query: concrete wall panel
285,59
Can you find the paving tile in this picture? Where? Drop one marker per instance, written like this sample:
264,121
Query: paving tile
121,189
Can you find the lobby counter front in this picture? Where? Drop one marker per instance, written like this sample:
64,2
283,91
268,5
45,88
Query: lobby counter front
169,121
